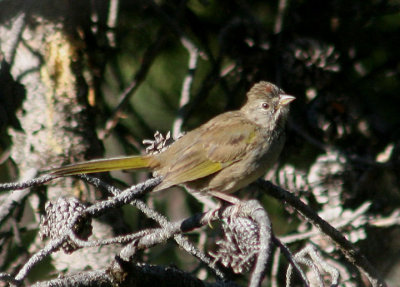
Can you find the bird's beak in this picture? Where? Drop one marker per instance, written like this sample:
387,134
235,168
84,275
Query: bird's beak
285,99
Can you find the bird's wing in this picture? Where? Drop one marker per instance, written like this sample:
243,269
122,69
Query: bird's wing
208,149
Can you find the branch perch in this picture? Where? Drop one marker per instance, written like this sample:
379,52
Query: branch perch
350,251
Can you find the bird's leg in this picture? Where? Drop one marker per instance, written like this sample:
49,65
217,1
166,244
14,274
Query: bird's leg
203,198
225,197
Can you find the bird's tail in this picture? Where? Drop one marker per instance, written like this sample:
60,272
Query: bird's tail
101,165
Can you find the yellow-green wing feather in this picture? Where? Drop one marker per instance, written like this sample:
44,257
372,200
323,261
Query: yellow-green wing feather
206,150
198,171
232,142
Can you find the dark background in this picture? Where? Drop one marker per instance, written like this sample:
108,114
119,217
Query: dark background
339,58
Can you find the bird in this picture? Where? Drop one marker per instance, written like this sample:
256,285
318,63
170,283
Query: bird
218,158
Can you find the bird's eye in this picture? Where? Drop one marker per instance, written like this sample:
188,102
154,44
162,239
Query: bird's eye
265,106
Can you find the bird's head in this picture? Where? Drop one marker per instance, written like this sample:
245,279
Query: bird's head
267,105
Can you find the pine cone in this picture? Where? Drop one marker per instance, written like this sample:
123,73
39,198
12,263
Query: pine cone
240,246
58,214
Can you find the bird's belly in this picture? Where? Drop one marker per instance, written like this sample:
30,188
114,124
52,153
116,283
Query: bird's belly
239,174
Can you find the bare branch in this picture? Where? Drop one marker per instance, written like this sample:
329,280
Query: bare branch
359,212
187,84
317,264
279,16
286,252
112,22
163,222
39,256
351,252
20,192
148,59
8,278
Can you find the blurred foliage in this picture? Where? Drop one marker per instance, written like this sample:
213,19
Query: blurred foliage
339,58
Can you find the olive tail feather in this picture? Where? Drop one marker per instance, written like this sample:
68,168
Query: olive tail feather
102,165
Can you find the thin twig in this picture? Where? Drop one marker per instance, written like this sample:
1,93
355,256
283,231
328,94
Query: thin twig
97,209
126,273
327,147
112,22
279,16
27,183
275,267
338,225
20,190
265,233
351,252
162,221
52,246
148,59
289,256
187,84
8,278
101,242
393,219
